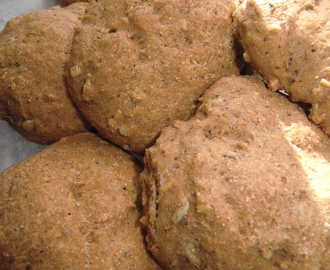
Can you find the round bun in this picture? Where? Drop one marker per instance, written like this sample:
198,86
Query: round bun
244,184
34,50
136,66
287,42
74,205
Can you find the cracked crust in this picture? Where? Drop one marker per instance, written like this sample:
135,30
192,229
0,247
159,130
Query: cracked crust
138,65
287,42
74,205
208,204
34,50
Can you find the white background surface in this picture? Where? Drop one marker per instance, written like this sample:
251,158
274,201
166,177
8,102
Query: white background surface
13,147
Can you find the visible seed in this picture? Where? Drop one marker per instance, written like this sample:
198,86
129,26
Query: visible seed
184,25
126,146
144,220
242,146
118,114
274,28
267,255
165,187
246,57
316,106
3,75
70,195
83,227
79,225
13,86
57,234
139,94
327,26
85,87
325,83
90,238
273,83
28,125
123,130
315,115
75,71
111,121
201,208
181,212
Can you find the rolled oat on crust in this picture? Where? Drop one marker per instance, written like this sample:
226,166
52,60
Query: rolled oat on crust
288,43
244,184
74,205
34,50
137,65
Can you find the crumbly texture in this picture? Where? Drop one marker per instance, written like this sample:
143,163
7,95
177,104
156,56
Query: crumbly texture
34,50
288,43
244,184
74,205
138,65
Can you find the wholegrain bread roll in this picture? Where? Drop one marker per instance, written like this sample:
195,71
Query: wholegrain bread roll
244,184
137,65
287,42
34,50
74,205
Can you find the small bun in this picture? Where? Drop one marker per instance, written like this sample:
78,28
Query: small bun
74,205
244,184
34,50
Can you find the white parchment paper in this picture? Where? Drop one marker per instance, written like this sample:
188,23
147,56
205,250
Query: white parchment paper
14,147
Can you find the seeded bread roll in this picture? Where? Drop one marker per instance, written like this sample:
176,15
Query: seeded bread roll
74,205
34,50
137,65
288,43
244,184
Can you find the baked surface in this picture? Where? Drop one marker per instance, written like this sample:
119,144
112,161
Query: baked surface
138,65
288,43
244,184
34,50
74,205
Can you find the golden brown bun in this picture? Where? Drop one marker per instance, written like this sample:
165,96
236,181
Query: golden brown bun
137,65
244,184
288,43
74,205
34,50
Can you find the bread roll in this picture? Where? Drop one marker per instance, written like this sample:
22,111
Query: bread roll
244,184
34,50
138,65
74,205
287,42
